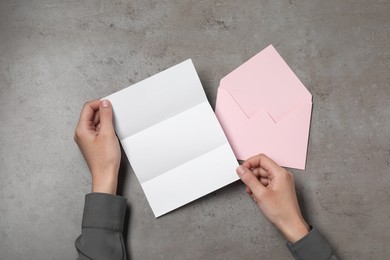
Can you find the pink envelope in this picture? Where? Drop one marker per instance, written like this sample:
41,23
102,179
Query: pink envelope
264,108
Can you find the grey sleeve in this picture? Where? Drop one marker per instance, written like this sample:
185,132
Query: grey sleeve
312,246
102,227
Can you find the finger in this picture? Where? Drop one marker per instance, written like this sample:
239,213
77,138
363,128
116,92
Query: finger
265,181
96,118
250,180
248,190
105,112
88,111
260,172
85,124
256,172
262,161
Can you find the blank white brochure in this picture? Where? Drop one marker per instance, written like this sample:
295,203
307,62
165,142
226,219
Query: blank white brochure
172,138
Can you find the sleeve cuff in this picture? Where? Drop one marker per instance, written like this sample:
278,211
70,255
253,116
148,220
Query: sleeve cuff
311,246
104,211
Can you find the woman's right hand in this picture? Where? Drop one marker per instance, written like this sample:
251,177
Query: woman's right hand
272,188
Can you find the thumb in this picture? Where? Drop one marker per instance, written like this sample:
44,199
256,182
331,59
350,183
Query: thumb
105,114
248,177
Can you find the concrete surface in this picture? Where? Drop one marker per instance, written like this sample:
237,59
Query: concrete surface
54,55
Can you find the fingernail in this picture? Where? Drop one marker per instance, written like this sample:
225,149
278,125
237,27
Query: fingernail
240,170
105,103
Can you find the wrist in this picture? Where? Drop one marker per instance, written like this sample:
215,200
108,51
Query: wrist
105,183
295,230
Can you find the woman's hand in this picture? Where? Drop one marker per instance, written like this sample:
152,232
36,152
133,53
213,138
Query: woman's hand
272,188
95,136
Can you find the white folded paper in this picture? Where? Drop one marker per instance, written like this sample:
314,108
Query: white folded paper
172,138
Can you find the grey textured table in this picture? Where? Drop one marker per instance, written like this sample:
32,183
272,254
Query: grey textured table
54,55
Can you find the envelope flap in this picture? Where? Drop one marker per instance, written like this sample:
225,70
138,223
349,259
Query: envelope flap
265,82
